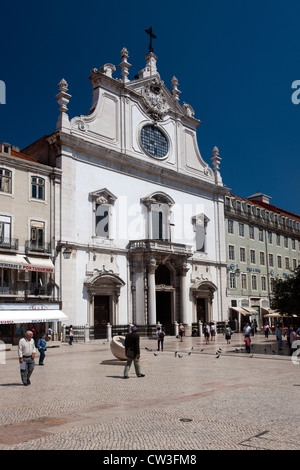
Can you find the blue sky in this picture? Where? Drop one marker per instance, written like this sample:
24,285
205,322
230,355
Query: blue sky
235,62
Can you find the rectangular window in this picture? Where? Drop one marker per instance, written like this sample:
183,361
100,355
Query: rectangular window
251,232
262,258
231,252
5,181
230,226
279,262
200,230
37,235
263,283
270,238
271,260
5,230
102,221
285,242
287,263
252,256
254,282
244,281
232,281
242,255
260,235
37,188
241,230
278,240
294,264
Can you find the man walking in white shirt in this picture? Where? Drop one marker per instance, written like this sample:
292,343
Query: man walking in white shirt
26,351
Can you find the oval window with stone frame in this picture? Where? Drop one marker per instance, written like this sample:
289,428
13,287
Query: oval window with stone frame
154,142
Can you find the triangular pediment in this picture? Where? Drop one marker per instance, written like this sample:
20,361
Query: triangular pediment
103,196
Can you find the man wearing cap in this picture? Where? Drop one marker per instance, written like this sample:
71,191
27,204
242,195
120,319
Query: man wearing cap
132,351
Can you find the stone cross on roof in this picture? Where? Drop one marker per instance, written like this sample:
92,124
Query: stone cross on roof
152,36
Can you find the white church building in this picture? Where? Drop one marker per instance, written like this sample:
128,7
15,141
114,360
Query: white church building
142,214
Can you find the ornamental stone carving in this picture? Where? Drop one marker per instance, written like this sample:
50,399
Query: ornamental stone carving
156,102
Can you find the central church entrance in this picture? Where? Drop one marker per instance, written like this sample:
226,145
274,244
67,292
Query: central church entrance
163,308
164,292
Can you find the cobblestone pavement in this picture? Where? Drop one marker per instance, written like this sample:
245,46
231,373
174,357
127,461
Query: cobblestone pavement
192,401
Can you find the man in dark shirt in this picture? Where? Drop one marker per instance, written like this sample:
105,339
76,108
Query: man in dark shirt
132,351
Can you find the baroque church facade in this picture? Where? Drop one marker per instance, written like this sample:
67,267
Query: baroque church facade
142,214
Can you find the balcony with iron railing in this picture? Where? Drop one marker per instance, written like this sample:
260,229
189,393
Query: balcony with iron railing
32,246
28,289
159,245
9,244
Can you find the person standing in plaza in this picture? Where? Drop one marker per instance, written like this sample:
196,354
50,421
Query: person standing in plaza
228,333
181,332
42,347
160,334
293,338
71,333
212,332
247,330
278,334
26,352
206,332
267,330
132,351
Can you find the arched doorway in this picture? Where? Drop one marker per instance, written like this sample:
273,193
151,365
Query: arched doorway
203,294
104,291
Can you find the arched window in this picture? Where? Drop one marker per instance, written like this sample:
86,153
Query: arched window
159,215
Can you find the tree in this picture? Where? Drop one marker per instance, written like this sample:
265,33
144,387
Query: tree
286,294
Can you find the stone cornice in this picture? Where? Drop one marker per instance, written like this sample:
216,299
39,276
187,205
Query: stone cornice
131,166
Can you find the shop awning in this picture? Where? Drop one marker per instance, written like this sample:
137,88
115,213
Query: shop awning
26,263
239,310
250,311
31,316
12,261
39,264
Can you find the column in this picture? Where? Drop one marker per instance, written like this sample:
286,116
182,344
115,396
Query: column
151,292
184,293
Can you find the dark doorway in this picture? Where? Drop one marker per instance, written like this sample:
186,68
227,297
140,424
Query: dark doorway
162,275
163,308
101,315
201,310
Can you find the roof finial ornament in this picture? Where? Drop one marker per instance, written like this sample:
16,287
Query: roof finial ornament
63,101
152,36
125,64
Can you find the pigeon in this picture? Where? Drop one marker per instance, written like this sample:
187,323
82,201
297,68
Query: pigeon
201,350
179,356
217,357
189,353
251,355
147,349
265,351
155,354
236,350
192,348
175,353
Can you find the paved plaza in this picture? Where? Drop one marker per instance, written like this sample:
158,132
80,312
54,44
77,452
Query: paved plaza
194,400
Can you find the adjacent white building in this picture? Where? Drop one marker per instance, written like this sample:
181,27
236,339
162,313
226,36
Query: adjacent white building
142,214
